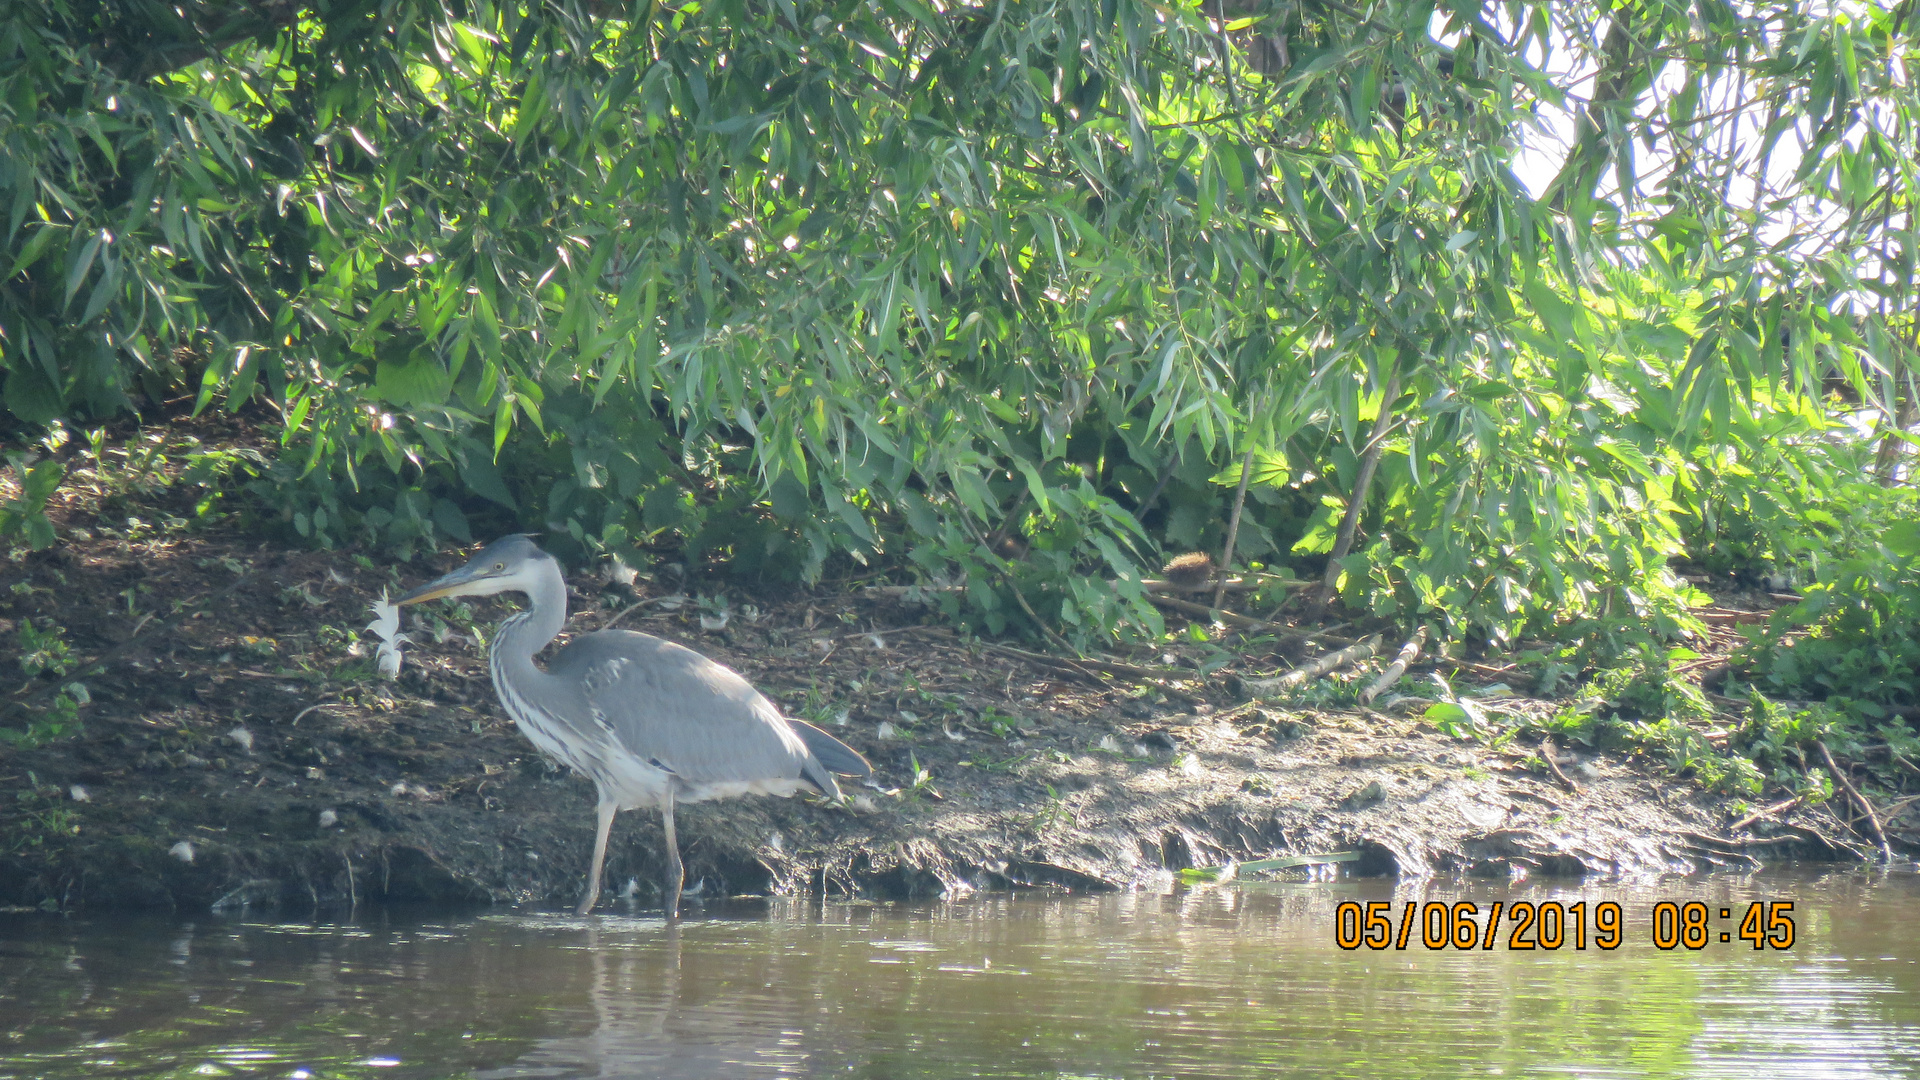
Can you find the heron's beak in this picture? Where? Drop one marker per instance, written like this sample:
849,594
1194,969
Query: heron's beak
453,584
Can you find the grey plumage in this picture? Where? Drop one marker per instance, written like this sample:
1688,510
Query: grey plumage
651,723
832,753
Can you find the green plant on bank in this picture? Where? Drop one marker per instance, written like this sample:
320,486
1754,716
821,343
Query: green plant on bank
43,651
1052,812
37,818
1001,724
23,512
920,780
1643,706
803,288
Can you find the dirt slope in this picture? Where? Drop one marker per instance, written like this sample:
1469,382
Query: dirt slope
245,720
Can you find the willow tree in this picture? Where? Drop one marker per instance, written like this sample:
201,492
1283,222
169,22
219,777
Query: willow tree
893,279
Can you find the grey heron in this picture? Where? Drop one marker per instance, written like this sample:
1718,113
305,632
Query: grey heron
651,723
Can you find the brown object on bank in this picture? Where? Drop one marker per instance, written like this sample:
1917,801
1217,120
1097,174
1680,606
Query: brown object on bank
1190,571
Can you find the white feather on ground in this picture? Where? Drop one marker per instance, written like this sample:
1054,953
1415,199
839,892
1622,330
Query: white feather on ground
386,627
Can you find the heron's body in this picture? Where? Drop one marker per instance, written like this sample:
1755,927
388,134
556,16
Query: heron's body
651,723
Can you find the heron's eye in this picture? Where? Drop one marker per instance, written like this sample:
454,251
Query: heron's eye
499,566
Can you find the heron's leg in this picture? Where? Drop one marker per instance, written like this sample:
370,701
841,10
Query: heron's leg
606,811
676,873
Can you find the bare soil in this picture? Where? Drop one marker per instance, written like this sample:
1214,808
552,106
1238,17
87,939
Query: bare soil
239,748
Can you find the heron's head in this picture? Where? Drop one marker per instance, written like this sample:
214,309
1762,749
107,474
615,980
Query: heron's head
509,564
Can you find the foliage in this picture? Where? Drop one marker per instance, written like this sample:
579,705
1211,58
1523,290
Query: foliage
43,651
787,284
38,817
23,516
1855,638
1642,705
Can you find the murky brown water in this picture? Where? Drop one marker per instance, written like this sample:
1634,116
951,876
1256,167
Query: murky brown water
1242,981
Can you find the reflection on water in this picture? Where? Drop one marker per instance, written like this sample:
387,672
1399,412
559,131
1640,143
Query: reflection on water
1230,982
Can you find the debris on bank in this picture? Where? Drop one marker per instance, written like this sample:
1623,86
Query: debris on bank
248,739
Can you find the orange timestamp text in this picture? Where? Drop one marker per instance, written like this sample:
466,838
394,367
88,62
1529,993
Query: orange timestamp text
1525,925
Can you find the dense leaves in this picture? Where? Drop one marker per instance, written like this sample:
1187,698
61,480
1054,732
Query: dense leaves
789,283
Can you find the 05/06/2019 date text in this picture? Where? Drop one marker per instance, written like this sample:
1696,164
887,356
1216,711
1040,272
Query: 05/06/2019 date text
1525,926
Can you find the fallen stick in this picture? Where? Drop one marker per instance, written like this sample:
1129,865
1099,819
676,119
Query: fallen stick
636,606
1241,622
1330,662
1873,819
1152,585
1078,667
1086,668
1768,841
1408,654
1112,667
1510,674
1548,752
1054,662
1732,846
1833,843
1767,812
1901,806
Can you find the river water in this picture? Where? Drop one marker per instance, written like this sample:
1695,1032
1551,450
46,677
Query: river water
1230,981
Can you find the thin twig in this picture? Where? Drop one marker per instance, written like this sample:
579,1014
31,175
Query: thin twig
1900,807
1767,812
1242,622
1111,667
1548,753
630,609
1086,669
1873,819
1007,520
1251,583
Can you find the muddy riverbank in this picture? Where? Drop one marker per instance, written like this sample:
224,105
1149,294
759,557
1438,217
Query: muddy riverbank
238,747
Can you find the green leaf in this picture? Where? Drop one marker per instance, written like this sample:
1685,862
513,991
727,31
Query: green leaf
416,380
1555,313
483,478
31,398
78,268
1902,538
38,241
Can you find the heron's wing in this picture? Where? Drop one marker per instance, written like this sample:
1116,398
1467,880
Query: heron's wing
834,754
674,708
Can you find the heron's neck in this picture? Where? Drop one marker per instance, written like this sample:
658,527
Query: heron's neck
522,636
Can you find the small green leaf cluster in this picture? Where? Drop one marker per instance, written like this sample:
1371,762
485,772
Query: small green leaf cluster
44,652
23,516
